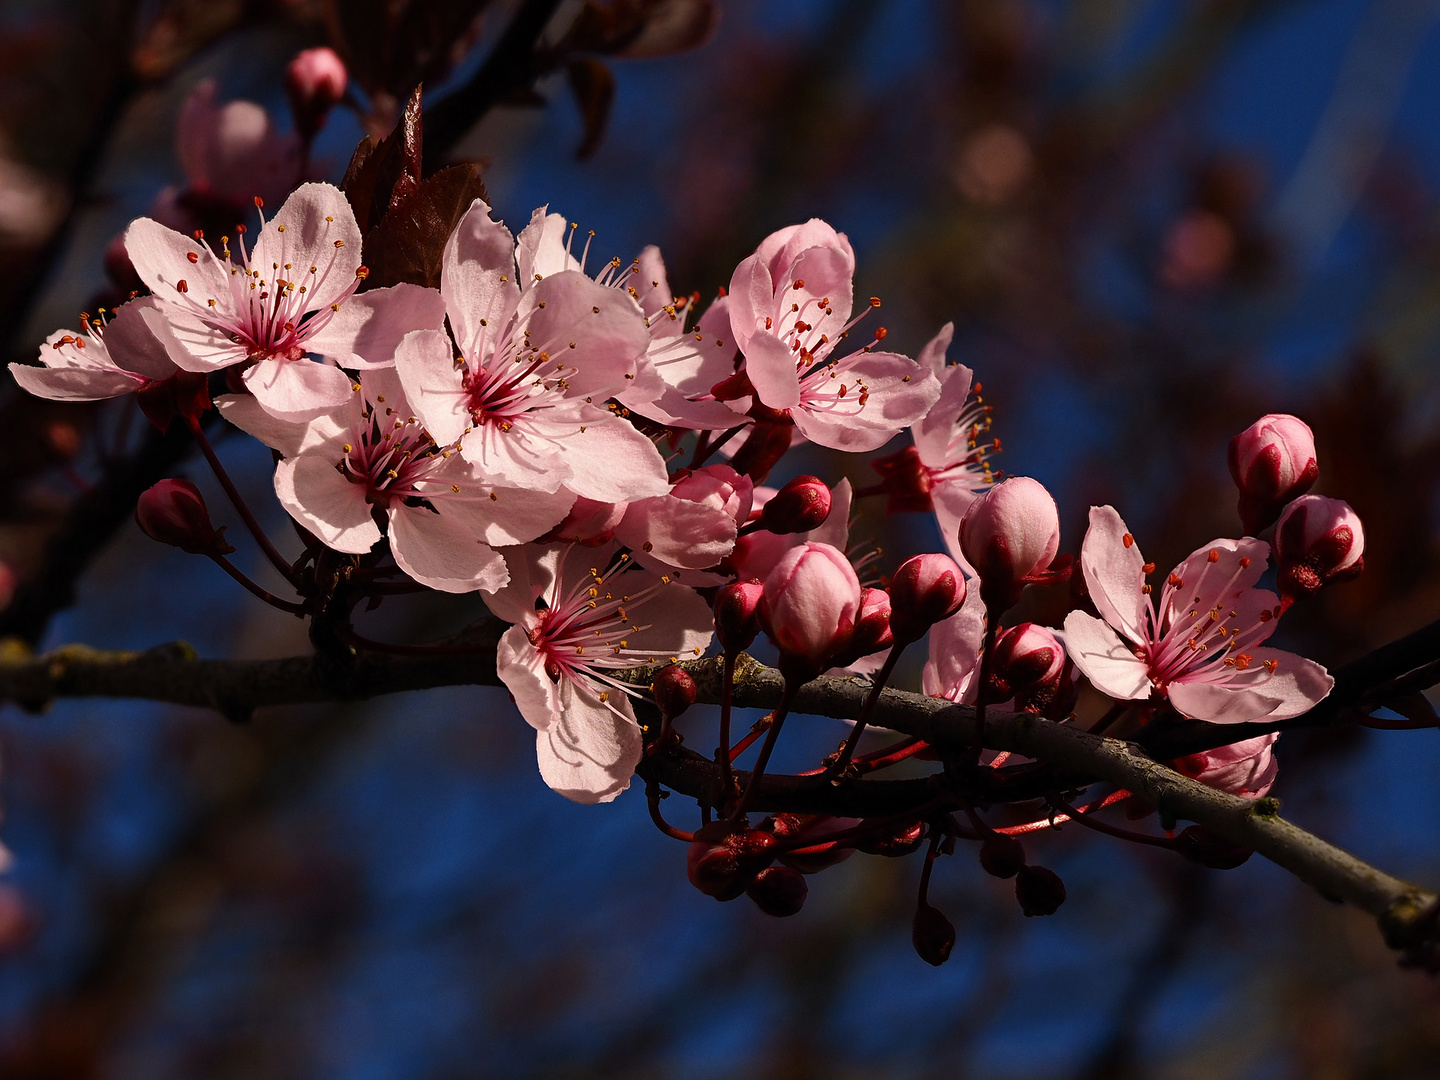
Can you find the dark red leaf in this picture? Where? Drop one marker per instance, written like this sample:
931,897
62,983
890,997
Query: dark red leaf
594,87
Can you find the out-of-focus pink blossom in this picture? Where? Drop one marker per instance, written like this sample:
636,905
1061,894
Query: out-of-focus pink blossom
1200,646
1010,536
789,306
925,589
811,600
1317,541
1272,461
371,455
293,293
314,82
526,401
232,153
581,617
1245,768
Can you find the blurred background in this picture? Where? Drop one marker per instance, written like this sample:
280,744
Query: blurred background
1151,222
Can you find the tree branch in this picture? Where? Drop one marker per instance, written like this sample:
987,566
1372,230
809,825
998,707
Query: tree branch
1406,913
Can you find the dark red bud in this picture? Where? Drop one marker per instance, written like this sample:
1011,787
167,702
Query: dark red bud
1040,891
893,845
779,891
737,614
925,590
872,628
932,935
173,512
674,691
801,505
1200,845
723,860
1002,856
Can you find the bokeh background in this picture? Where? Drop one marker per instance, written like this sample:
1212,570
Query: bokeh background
1151,221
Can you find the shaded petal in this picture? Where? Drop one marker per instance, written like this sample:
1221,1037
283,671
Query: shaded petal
521,668
590,752
1296,686
439,549
597,334
321,499
771,367
612,461
477,280
1110,666
511,516
131,343
315,228
532,573
955,646
897,392
1114,572
425,363
677,532
1209,584
368,328
298,389
290,437
540,249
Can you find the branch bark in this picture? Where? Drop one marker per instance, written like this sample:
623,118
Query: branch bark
1406,914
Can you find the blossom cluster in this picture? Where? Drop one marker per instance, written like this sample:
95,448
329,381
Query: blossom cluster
507,433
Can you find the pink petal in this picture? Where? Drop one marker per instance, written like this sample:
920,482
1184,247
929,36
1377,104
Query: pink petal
425,363
331,507
933,432
1214,584
290,437
771,367
532,573
438,549
899,393
676,532
133,346
651,285
950,501
540,248
513,516
1110,666
611,461
590,752
1114,573
932,356
1296,686
368,328
521,668
604,326
955,646
190,343
315,219
477,280
297,389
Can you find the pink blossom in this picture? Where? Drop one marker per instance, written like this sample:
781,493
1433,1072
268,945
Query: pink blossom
1200,646
789,303
953,668
1272,462
527,400
372,456
812,598
102,360
1245,768
582,617
233,152
292,294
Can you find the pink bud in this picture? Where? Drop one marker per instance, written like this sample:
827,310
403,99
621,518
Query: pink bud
737,614
1317,541
801,505
925,590
872,628
173,512
1010,535
779,891
1029,666
1272,461
1040,891
932,935
719,486
674,691
809,607
1245,768
315,83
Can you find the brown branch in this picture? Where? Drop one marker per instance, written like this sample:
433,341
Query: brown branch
1405,913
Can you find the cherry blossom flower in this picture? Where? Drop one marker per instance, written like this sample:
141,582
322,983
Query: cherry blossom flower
527,401
1245,768
371,457
104,359
583,616
293,293
1200,646
789,303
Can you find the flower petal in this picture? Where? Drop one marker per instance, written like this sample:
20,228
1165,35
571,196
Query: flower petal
321,499
1110,666
612,461
297,389
1114,572
589,754
368,328
439,549
477,280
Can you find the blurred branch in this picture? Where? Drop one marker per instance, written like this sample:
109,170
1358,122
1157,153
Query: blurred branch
1406,914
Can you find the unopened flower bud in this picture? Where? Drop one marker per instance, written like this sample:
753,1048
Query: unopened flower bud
1317,541
723,858
1010,535
173,512
809,607
1040,891
906,481
872,628
896,843
1200,845
932,935
779,891
674,691
801,505
1029,666
737,614
925,590
1272,461
1002,856
314,82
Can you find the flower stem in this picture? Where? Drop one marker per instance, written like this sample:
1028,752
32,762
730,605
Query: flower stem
987,661
274,601
704,453
276,559
652,796
722,754
848,751
778,719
